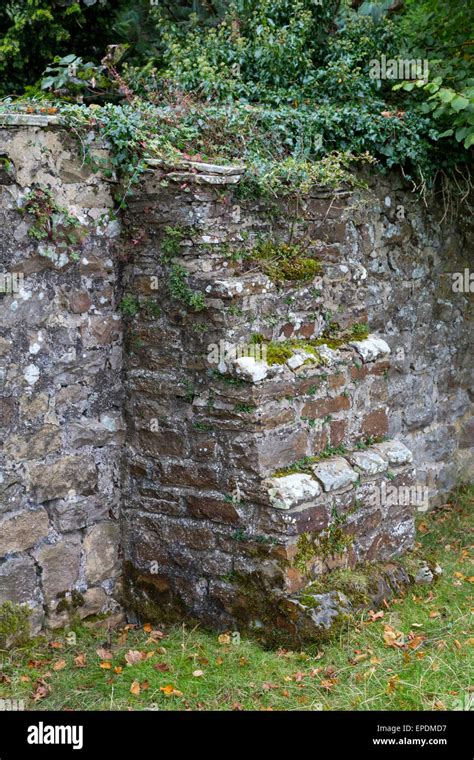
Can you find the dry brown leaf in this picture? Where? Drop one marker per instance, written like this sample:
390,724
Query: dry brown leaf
133,656
135,688
198,673
105,665
42,689
80,660
358,658
373,616
59,665
329,684
224,638
393,638
392,684
104,654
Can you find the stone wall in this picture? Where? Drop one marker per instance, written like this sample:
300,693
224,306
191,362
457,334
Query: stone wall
211,528
238,484
61,391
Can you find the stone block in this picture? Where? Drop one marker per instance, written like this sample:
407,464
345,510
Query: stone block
292,490
23,530
57,479
101,552
371,348
335,473
60,565
394,452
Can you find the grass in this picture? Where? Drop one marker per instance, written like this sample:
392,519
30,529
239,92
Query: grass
369,667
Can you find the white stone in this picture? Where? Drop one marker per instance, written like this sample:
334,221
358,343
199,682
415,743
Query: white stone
327,354
292,490
394,452
298,359
250,369
368,462
31,374
335,473
371,348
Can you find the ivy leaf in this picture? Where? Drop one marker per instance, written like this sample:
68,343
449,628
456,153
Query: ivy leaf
459,103
469,140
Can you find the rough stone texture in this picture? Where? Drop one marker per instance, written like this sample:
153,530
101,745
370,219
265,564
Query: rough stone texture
60,360
22,531
101,555
112,421
335,473
292,490
60,565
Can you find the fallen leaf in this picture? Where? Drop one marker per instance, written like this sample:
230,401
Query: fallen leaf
266,686
55,645
223,638
42,689
392,637
435,613
358,658
415,642
198,673
162,667
155,636
392,684
373,616
25,679
80,660
118,669
170,691
329,684
105,665
133,656
135,688
104,654
59,665
147,627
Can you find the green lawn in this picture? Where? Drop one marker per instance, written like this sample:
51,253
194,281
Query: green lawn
369,667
